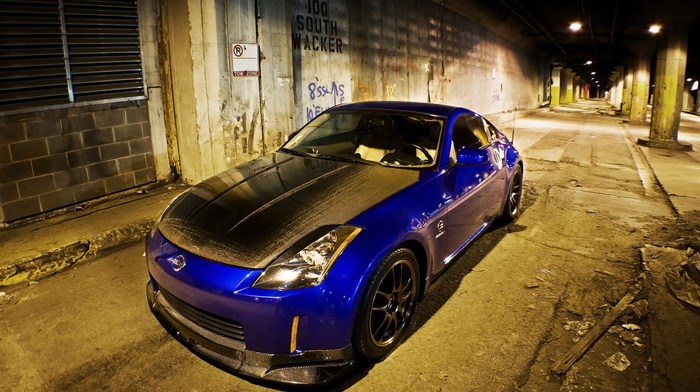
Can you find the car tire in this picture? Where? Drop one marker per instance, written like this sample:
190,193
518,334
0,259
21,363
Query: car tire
511,209
387,305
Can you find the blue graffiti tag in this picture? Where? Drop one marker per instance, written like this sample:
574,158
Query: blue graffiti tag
318,90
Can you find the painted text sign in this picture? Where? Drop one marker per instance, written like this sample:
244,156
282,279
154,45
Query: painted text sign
315,30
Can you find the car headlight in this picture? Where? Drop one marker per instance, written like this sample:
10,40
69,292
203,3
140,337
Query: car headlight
309,266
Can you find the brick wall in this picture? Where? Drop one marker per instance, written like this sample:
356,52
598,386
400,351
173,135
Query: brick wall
55,158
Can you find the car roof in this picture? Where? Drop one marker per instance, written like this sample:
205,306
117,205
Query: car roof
435,109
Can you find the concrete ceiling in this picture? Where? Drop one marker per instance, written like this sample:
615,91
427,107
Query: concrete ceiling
612,30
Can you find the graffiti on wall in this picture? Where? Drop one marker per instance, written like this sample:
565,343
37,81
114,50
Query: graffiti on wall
315,30
323,96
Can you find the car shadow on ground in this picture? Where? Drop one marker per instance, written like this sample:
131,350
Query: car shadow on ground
440,292
436,296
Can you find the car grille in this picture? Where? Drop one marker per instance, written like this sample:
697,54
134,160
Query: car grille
223,326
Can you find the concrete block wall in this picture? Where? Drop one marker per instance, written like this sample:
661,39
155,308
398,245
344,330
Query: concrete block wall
59,157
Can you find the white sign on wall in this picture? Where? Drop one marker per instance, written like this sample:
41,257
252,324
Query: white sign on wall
245,59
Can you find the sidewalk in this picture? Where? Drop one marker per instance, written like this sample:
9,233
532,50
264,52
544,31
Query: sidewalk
39,249
677,172
36,250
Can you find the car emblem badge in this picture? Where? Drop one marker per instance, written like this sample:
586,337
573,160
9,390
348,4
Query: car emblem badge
178,262
440,229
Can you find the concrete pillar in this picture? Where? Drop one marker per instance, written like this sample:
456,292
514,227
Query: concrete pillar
276,71
688,100
577,88
567,86
627,91
613,89
640,88
555,90
669,81
149,26
617,87
188,93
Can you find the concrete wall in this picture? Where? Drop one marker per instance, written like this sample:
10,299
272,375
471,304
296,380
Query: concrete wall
419,50
316,54
218,118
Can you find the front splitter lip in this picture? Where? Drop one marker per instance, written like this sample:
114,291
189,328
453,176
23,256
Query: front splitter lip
309,367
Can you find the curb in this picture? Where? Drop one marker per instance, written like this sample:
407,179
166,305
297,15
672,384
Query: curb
55,260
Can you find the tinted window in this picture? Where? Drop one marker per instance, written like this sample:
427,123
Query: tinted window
491,131
392,138
469,131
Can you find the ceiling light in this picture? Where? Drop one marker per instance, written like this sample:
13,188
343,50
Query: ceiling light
589,62
575,26
654,29
593,73
689,80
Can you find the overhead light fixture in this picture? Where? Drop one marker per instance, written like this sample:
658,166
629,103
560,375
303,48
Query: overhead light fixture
575,26
689,80
589,62
593,73
654,29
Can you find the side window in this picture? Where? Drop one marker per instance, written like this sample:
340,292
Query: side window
468,131
492,132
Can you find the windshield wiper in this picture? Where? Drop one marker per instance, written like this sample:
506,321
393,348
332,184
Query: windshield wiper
293,152
339,158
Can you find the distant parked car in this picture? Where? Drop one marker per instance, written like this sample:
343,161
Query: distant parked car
290,267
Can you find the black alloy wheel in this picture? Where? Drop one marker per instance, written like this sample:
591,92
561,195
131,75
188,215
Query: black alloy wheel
388,305
515,193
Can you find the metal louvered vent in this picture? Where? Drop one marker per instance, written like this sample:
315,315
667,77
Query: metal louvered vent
68,51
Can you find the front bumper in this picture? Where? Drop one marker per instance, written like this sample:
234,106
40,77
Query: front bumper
306,367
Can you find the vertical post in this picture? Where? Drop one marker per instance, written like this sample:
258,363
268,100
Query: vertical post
627,91
668,84
640,88
555,90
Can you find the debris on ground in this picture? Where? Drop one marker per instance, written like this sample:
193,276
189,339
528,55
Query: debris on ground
684,281
564,364
618,361
640,308
580,327
626,335
631,327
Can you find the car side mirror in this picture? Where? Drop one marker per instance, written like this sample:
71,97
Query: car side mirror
472,156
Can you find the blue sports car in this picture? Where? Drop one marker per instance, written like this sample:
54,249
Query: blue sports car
292,266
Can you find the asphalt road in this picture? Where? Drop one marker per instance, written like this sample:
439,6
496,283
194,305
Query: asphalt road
485,325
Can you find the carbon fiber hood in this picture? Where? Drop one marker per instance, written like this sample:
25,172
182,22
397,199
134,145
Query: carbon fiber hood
247,216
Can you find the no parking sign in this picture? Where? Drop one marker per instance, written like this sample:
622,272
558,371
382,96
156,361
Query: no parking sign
245,59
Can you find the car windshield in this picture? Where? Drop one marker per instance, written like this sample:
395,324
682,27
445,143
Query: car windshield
390,138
